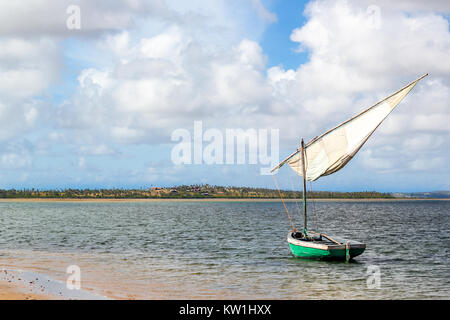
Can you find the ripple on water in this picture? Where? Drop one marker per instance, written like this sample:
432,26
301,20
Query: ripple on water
232,250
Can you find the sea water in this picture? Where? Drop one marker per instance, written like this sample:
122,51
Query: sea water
230,250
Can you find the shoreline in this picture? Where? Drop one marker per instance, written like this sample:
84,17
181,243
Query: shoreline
10,291
31,284
118,200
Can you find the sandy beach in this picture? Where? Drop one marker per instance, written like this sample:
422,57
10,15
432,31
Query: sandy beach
10,291
31,280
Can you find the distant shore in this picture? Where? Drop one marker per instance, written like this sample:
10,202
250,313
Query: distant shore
113,200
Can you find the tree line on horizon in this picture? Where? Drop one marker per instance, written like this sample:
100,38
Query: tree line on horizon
185,192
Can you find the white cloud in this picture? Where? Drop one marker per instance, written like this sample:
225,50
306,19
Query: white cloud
172,78
427,164
16,155
163,82
263,12
97,150
81,163
353,64
423,142
48,17
27,66
17,117
14,161
166,64
442,6
379,159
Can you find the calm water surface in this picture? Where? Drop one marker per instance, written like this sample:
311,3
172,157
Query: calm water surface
230,249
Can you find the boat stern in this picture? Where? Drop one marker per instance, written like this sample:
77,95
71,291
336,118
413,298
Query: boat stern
323,248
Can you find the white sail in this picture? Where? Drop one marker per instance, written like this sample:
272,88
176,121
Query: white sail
332,150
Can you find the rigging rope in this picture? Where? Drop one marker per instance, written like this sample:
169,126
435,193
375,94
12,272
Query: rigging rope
279,192
313,202
296,200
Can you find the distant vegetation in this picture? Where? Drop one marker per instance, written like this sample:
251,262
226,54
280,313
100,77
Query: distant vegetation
425,195
185,192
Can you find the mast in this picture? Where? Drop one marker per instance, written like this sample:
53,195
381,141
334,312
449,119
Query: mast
304,186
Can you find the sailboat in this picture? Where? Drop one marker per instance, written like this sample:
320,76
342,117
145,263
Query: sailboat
325,155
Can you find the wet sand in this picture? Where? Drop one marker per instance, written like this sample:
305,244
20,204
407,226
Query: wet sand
20,284
42,276
9,291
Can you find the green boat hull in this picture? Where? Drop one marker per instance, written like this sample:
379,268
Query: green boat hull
332,254
318,248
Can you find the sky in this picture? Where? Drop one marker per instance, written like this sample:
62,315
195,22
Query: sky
93,93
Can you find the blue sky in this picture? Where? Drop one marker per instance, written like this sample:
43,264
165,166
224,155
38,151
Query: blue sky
97,106
276,42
